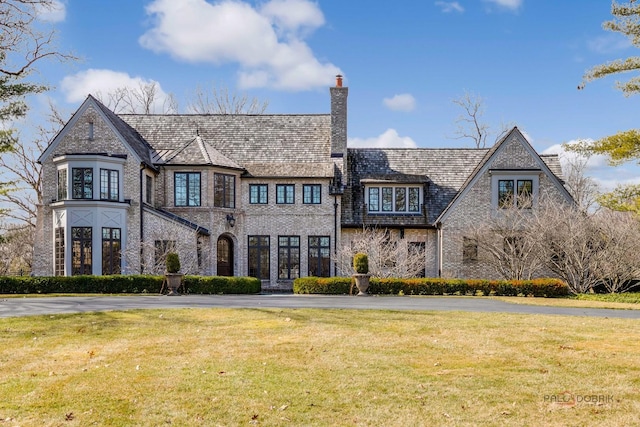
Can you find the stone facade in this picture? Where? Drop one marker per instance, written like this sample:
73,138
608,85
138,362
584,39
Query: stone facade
269,195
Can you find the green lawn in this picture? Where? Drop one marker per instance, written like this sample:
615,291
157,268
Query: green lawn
318,367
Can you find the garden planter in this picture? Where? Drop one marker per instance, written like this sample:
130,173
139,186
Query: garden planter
362,283
174,280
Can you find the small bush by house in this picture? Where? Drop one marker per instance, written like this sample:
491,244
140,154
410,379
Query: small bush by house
427,286
125,284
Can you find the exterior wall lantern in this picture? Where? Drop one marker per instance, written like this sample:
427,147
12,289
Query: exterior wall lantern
231,220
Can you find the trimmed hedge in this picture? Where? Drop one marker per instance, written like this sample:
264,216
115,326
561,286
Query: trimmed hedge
427,286
121,284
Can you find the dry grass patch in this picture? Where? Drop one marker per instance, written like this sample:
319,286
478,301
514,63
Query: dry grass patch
570,302
318,367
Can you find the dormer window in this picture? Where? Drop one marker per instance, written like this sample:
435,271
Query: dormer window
393,199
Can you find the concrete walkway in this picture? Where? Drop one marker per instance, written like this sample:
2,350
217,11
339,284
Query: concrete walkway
17,307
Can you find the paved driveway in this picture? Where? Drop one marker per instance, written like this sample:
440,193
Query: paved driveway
14,307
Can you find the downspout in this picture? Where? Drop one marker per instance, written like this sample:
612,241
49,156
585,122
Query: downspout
141,221
439,248
335,234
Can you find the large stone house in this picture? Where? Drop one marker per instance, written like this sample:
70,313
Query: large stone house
269,196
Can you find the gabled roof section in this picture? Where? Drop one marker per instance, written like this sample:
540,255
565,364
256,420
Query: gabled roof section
491,155
264,145
129,137
194,152
443,169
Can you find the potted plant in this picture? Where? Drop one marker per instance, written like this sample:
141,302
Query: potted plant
172,275
361,266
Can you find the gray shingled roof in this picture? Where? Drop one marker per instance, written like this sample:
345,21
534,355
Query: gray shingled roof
445,169
264,145
131,136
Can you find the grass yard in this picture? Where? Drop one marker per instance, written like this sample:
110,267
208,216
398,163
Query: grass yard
318,367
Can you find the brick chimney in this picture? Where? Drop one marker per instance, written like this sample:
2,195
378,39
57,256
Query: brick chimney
339,118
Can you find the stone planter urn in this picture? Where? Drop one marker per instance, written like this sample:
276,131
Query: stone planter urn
172,276
361,266
174,280
362,283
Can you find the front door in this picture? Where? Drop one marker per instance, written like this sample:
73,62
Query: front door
225,256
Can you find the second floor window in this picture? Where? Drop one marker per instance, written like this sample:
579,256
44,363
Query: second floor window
82,183
258,194
311,193
148,189
285,194
393,199
515,192
62,184
187,188
109,184
224,191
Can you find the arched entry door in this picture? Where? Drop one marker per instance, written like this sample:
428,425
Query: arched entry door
225,256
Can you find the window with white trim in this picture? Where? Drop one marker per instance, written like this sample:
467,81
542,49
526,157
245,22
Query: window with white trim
393,199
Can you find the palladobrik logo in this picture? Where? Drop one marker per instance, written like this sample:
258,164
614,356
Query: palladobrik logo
569,399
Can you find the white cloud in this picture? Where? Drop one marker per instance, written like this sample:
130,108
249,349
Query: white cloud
293,15
507,4
402,102
450,6
100,83
594,163
609,43
54,12
266,42
389,139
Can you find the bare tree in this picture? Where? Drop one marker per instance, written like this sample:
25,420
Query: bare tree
506,244
569,246
22,45
221,101
389,255
470,123
16,249
144,99
20,166
584,189
619,234
161,238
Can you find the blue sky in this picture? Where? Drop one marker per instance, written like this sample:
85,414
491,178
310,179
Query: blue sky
403,61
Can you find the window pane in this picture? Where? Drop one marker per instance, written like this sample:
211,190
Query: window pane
387,199
319,262
180,189
62,184
401,199
81,258
82,183
525,193
285,194
258,194
288,257
414,200
193,189
111,254
505,193
374,199
259,254
59,251
149,189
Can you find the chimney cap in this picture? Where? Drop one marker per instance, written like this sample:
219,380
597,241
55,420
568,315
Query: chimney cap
339,80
